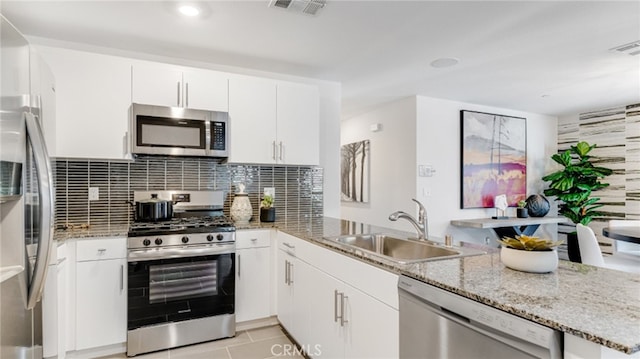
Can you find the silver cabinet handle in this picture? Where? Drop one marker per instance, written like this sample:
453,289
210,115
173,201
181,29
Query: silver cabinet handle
178,94
281,150
45,190
335,306
290,273
342,300
102,251
286,272
121,277
288,245
273,150
254,239
186,95
239,266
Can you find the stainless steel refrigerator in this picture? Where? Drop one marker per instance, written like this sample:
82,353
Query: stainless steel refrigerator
26,198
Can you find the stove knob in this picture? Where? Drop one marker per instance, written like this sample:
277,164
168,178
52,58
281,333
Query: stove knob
219,237
158,241
210,237
146,242
185,239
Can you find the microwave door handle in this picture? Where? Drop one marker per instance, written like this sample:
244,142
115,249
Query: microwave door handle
45,190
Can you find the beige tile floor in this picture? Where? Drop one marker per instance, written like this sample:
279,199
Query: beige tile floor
260,343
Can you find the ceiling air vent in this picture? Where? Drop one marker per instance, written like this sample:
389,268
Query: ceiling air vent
632,48
309,7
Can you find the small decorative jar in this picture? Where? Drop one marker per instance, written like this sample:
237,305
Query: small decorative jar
241,209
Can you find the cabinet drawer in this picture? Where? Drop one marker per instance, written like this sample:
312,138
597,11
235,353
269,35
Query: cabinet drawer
253,238
100,249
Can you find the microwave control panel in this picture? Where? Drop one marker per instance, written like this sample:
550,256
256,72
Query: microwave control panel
218,136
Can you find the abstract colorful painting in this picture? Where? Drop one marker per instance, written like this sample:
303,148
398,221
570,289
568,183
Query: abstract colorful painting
354,172
494,158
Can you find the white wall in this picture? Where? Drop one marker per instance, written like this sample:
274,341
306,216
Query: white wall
392,162
438,144
426,131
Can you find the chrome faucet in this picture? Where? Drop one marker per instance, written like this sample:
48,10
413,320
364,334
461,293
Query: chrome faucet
421,225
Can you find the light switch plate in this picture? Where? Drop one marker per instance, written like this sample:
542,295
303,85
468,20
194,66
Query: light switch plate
94,193
425,171
270,191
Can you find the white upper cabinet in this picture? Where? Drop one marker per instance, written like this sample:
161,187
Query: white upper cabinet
273,122
252,120
93,96
165,85
298,124
206,90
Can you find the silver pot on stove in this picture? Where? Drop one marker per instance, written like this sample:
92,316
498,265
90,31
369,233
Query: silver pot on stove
153,209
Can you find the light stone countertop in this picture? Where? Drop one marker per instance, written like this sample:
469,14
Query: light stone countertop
597,304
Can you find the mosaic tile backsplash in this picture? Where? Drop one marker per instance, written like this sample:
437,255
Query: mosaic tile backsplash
298,189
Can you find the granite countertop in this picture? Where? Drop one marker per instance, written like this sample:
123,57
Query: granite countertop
597,304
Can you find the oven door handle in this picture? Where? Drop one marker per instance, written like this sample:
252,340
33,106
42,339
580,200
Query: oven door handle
136,255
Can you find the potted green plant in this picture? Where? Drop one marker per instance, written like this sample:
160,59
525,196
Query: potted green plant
573,186
522,211
267,211
529,253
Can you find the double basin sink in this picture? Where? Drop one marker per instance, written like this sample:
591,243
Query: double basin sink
402,250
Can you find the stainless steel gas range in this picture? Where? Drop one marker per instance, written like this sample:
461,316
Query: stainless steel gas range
181,274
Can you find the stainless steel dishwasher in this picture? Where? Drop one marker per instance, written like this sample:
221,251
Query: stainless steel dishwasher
435,323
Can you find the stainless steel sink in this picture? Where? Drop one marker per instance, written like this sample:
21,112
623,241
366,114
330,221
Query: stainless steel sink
401,250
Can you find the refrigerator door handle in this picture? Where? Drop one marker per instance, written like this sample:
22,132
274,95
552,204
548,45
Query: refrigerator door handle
45,191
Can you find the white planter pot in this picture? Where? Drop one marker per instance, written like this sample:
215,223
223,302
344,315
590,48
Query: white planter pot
529,261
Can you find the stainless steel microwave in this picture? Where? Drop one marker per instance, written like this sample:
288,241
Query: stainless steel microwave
176,131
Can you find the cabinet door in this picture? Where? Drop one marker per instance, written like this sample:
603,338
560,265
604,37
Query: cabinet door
101,303
252,120
157,85
372,330
285,291
93,96
252,284
298,124
206,90
316,300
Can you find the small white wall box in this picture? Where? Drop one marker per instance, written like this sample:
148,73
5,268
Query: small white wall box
375,127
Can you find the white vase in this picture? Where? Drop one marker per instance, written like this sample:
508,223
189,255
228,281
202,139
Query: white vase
241,209
529,261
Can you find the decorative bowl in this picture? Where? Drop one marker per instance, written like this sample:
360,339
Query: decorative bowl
529,261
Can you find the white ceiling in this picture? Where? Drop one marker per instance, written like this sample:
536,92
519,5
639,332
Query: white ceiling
511,52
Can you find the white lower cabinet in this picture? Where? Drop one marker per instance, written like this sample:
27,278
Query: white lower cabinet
101,294
253,264
54,301
327,316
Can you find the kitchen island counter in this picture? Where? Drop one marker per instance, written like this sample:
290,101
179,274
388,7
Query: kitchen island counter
597,304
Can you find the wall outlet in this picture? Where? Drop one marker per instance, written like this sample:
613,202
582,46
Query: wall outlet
426,171
94,193
270,191
426,192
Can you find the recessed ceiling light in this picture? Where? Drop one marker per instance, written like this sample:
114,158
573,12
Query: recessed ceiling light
444,62
189,10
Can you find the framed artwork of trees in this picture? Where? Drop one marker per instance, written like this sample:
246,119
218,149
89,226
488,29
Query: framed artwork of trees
494,158
354,172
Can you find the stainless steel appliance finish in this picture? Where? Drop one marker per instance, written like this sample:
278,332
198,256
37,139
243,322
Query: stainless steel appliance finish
181,275
26,198
438,324
171,335
177,131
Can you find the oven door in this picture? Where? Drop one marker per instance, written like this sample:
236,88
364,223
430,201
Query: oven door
170,290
